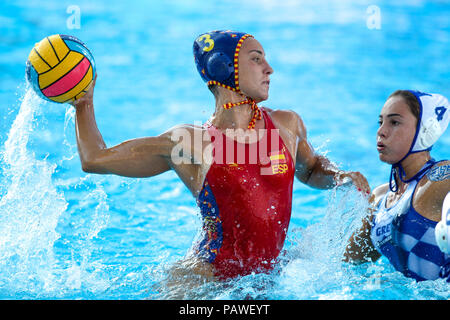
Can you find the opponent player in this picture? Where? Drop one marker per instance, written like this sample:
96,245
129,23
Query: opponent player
408,208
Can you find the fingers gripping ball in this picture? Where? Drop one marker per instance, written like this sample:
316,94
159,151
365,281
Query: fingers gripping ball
60,68
442,230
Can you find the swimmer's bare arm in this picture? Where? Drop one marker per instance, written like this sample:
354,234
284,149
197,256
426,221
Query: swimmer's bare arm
360,248
142,157
316,170
431,191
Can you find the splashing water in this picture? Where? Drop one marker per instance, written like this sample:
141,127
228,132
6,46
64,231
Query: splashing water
29,210
311,266
62,237
31,206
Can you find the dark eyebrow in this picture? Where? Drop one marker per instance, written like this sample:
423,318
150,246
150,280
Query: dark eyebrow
258,51
391,115
394,115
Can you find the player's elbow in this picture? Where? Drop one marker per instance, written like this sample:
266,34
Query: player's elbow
91,166
88,167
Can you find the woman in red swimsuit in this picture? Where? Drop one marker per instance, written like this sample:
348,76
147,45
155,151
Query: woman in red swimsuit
241,171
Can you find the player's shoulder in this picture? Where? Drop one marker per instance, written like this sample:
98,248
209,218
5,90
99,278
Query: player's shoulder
287,119
184,132
379,192
186,127
432,189
283,114
436,183
439,172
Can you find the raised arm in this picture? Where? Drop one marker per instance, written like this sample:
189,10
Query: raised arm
143,157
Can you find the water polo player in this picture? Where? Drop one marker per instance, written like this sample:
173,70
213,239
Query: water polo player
408,207
244,190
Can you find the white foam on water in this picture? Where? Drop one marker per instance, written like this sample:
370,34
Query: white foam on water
31,206
29,209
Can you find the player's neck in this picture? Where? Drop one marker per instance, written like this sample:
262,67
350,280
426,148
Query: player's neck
414,162
236,117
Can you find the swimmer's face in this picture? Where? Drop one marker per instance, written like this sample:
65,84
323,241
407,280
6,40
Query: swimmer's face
397,129
254,70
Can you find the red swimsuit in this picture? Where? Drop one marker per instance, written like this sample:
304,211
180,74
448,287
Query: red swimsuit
246,205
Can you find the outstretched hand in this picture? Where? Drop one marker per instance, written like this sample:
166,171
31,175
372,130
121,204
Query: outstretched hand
356,178
88,97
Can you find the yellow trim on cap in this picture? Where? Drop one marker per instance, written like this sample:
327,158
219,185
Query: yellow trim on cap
236,60
214,82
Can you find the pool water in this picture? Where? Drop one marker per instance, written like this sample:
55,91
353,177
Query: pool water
66,234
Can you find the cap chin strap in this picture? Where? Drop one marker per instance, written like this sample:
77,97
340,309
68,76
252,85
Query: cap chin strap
256,111
397,172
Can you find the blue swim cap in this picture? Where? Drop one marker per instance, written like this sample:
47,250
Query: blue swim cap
216,56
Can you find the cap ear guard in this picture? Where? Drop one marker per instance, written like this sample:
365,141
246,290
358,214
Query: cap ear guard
434,119
429,133
219,66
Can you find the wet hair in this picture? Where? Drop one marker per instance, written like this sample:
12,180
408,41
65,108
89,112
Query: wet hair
213,89
410,99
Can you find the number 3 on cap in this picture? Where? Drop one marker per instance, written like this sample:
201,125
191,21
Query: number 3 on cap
206,38
440,112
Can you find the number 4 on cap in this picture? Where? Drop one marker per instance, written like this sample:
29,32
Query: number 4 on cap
440,112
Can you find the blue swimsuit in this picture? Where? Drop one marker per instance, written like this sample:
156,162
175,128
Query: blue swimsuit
407,238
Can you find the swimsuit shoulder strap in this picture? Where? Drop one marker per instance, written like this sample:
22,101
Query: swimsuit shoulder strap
267,119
